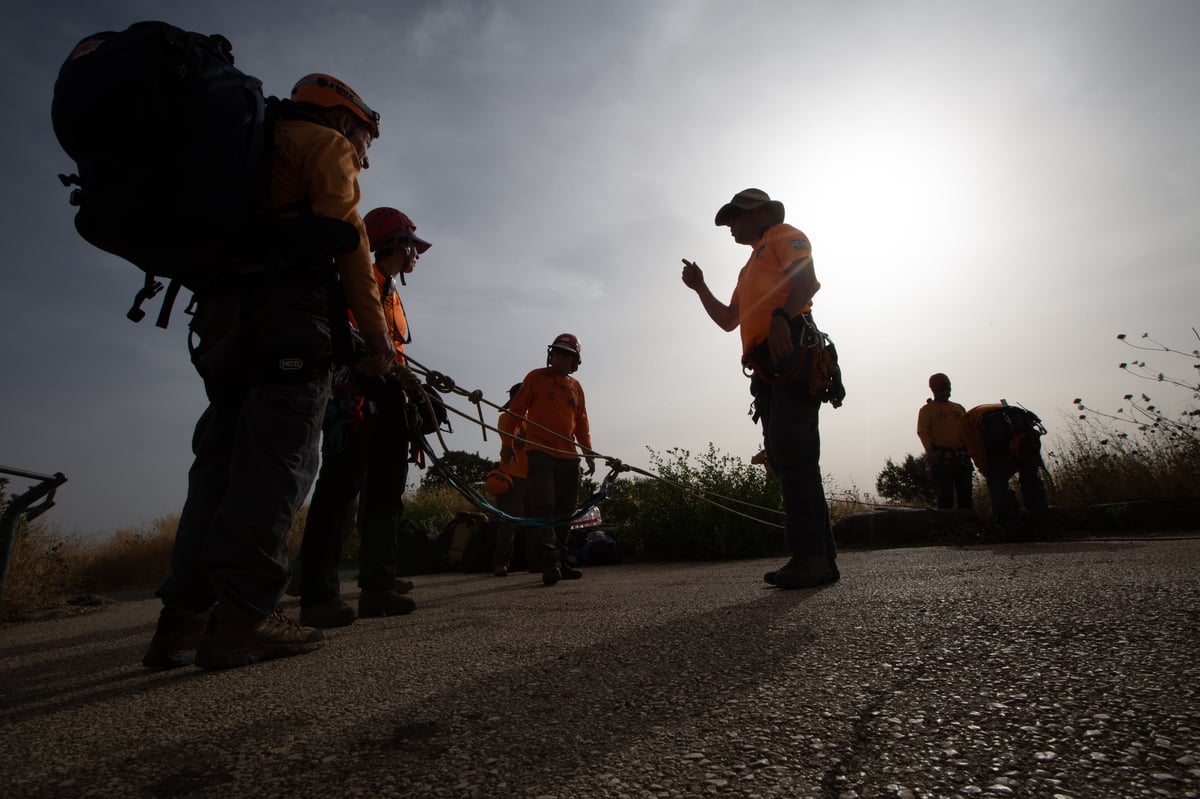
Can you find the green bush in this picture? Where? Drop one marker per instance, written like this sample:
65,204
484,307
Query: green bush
670,520
908,481
434,507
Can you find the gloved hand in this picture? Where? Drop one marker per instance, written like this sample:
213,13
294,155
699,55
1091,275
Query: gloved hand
381,354
407,378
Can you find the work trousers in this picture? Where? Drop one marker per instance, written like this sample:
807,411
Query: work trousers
553,490
369,465
790,419
951,473
514,503
264,353
1033,490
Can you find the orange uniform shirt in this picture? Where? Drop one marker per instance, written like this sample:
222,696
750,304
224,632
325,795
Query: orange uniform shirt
556,403
393,315
765,281
972,438
319,164
938,425
510,426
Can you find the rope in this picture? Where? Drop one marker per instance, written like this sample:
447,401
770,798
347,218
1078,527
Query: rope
479,501
446,385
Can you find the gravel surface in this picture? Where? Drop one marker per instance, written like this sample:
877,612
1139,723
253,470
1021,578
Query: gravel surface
1040,670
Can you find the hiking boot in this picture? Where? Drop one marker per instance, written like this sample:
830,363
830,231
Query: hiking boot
402,586
833,576
175,639
551,576
500,571
374,602
569,572
330,613
228,645
804,571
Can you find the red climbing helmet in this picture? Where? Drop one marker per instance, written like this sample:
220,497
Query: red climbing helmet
568,343
384,222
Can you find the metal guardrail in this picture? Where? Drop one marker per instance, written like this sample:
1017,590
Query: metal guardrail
23,505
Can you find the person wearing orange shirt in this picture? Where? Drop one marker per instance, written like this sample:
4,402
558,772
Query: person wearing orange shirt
365,457
261,341
513,500
1006,440
552,407
771,305
938,429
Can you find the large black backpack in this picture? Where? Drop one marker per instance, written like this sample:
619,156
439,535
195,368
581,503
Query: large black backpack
171,145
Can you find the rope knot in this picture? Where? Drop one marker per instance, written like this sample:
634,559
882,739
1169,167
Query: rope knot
476,396
441,382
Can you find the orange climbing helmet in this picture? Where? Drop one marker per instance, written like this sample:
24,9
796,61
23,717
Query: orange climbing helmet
381,223
329,92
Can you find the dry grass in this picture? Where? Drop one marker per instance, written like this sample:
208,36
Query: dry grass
48,566
1091,464
40,569
1096,464
131,558
845,502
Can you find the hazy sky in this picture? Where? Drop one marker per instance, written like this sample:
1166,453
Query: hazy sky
992,190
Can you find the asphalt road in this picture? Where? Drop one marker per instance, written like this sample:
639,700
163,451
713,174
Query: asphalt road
1043,670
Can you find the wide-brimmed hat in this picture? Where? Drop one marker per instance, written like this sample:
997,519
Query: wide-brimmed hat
748,200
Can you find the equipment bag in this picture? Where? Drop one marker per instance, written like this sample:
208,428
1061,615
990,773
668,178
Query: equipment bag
170,142
468,547
1012,429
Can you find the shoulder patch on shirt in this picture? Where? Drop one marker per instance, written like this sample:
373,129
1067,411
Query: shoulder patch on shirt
800,244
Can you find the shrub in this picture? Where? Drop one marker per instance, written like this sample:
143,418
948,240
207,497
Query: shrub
435,506
707,507
908,481
470,468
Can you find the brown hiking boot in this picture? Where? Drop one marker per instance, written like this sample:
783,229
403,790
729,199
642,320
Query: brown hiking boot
804,571
175,639
374,602
330,613
228,645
